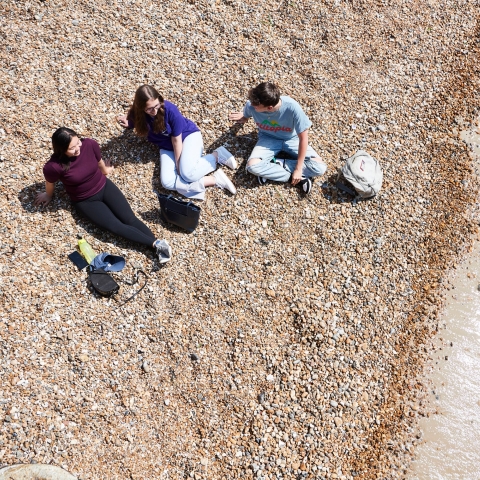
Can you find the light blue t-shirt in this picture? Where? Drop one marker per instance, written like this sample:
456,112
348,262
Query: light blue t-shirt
287,122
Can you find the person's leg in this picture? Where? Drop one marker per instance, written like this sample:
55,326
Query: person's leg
194,166
97,211
168,170
312,167
260,161
171,180
118,204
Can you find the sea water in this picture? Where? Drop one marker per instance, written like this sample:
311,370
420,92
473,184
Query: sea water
450,448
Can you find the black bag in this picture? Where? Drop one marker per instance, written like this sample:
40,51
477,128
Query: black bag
182,214
105,285
102,282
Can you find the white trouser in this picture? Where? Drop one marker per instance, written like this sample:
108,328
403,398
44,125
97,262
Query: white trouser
193,167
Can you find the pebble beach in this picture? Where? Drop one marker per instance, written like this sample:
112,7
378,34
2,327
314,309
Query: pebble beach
288,336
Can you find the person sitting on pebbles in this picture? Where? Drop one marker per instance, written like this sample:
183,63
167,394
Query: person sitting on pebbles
282,126
79,166
183,167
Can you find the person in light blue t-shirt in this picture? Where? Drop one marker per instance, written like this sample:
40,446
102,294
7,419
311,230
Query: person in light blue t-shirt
282,126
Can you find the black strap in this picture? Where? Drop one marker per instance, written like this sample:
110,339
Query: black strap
135,280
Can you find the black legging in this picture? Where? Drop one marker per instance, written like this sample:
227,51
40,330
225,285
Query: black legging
110,210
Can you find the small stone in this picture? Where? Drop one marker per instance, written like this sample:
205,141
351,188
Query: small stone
204,461
194,357
338,421
167,402
334,404
145,367
270,378
75,22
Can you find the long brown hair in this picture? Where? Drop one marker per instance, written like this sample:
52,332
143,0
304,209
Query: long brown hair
137,110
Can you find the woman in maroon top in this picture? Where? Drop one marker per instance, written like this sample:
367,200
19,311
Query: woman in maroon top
79,166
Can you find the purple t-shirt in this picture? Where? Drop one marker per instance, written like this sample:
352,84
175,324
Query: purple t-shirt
83,179
175,124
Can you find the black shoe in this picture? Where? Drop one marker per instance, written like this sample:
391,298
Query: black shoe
306,185
262,180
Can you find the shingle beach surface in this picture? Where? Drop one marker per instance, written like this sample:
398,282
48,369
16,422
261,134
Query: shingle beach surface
287,337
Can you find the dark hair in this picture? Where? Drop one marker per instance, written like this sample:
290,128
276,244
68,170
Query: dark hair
266,94
137,110
61,139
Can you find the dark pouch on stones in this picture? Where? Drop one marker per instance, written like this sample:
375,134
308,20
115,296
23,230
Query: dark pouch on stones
182,214
102,282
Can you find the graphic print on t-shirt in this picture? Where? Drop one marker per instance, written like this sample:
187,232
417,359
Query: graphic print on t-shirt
272,126
285,123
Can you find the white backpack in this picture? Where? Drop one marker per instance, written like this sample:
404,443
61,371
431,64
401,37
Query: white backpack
364,173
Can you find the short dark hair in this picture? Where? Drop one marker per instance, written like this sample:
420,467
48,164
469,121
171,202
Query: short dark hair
266,94
61,139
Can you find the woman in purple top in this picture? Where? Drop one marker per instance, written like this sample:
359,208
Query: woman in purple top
79,166
183,167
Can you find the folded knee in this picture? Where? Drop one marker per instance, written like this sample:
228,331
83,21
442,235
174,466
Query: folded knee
317,165
189,177
253,161
168,183
252,165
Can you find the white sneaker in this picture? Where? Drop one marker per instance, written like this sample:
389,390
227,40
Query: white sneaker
226,158
223,181
164,251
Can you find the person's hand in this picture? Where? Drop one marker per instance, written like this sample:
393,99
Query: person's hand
108,170
296,176
42,199
237,117
122,120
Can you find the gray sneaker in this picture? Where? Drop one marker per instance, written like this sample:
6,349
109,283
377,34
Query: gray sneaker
164,251
262,180
226,158
222,181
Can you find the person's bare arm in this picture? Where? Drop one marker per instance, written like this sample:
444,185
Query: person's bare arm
123,121
177,143
302,150
45,197
237,117
106,170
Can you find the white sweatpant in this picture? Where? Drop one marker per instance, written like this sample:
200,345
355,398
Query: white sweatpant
193,167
